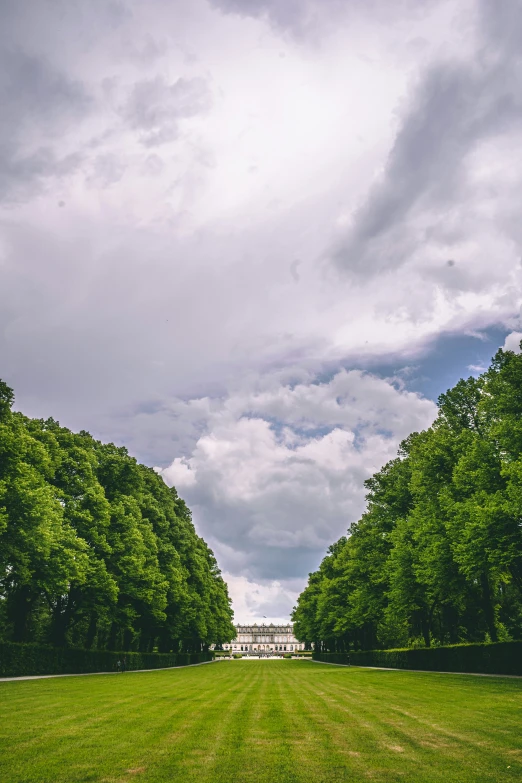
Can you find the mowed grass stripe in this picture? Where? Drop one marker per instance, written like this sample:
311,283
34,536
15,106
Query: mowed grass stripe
372,737
355,737
261,752
202,744
316,748
284,721
400,714
98,730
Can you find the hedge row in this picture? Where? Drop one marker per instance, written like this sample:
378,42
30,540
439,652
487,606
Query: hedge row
18,660
497,658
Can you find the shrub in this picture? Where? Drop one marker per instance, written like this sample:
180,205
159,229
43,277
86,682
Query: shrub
497,658
19,660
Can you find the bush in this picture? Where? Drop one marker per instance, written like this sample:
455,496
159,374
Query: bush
287,655
238,655
19,660
497,658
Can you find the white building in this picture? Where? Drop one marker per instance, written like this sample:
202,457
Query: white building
264,638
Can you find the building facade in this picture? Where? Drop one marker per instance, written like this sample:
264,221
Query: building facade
264,638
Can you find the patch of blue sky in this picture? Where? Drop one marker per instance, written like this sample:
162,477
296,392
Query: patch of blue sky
446,360
435,368
305,429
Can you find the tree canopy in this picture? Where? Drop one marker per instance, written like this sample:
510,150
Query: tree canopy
95,550
437,556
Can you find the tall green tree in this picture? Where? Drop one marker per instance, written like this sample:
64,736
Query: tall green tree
95,549
437,555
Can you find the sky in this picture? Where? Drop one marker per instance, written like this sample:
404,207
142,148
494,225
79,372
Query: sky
253,241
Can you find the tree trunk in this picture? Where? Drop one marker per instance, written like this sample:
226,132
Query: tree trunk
450,620
111,644
91,630
20,608
127,639
58,625
62,616
164,642
425,625
487,606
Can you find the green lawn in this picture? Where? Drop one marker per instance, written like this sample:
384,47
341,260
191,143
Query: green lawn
260,721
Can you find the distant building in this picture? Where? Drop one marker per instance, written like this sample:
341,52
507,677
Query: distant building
264,638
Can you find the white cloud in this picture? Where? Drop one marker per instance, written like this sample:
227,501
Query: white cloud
278,473
512,342
255,602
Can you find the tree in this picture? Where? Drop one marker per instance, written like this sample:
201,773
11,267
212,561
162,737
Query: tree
95,549
437,555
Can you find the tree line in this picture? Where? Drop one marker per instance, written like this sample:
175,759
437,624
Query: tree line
436,558
95,550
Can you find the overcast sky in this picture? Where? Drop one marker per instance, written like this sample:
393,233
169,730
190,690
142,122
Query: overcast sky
253,240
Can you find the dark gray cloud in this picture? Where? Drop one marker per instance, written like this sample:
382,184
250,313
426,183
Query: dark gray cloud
107,169
42,23
23,176
292,14
502,22
154,107
308,17
38,105
457,105
45,109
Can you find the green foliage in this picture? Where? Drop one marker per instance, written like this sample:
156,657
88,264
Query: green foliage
436,559
18,660
498,658
96,552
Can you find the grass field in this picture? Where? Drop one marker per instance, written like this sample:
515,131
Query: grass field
260,721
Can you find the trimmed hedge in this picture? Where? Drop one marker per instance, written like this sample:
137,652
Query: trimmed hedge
19,660
496,658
